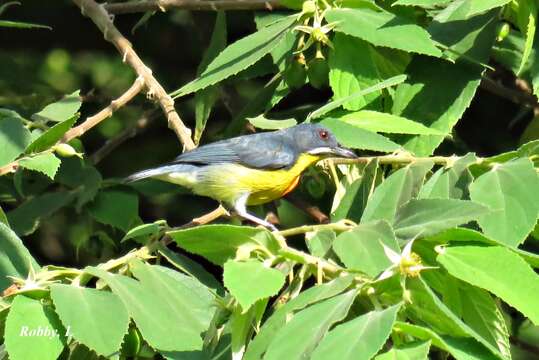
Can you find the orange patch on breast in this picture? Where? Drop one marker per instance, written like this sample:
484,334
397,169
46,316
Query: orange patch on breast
292,186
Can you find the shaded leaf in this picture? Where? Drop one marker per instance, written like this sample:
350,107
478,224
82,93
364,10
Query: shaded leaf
14,138
117,208
450,183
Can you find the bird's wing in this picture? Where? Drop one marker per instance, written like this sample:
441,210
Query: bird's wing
259,151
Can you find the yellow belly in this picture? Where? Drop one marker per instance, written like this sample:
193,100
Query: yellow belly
228,182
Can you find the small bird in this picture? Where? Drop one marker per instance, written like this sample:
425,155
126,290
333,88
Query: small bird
251,169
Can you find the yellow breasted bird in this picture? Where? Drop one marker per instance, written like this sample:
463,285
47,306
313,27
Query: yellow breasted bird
250,169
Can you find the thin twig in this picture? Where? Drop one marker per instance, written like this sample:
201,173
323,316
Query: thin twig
119,139
211,5
103,20
92,121
516,96
311,210
399,159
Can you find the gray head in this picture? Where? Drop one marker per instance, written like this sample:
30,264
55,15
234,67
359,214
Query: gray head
315,139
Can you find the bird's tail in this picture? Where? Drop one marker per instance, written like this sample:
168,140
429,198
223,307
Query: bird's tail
159,172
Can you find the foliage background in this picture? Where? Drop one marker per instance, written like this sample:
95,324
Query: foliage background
40,66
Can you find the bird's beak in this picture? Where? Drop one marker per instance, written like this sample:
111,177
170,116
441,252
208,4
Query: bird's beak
344,152
338,151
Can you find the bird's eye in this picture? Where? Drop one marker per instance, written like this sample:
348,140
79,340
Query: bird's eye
324,135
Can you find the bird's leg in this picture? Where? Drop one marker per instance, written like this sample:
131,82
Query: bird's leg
241,210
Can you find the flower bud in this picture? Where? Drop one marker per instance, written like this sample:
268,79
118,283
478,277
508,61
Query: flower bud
66,150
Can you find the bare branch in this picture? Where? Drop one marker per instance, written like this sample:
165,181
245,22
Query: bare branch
103,20
92,121
208,5
521,96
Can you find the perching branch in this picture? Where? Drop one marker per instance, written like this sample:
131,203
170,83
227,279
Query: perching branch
103,21
92,121
211,5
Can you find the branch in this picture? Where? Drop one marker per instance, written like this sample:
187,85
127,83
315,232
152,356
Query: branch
516,96
92,121
102,19
119,139
208,5
400,159
311,210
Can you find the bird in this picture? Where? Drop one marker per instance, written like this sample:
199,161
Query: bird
250,169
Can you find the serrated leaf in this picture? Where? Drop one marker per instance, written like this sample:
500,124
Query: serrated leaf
25,219
386,123
273,325
357,194
33,331
240,55
357,138
527,21
204,100
14,138
332,105
482,314
424,217
46,163
87,314
511,190
15,259
460,348
251,281
261,122
352,68
358,339
298,337
450,183
218,243
181,307
319,242
383,29
78,174
141,230
409,351
397,189
498,270
61,110
51,136
117,208
361,248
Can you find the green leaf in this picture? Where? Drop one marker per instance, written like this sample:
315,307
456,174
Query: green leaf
395,80
142,230
117,208
14,138
319,242
181,307
82,176
429,4
409,351
51,136
274,324
22,25
357,138
357,194
362,249
460,348
87,314
251,281
46,163
3,217
61,110
204,100
527,21
261,122
219,243
426,217
25,219
511,190
33,331
397,189
450,183
383,29
192,268
352,68
481,313
240,55
299,336
497,270
358,339
15,259
386,123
